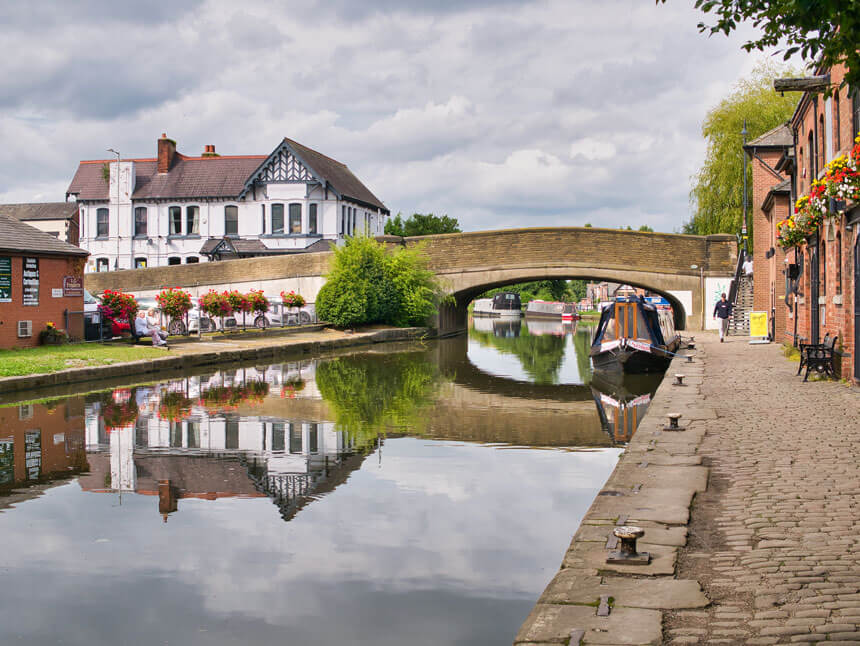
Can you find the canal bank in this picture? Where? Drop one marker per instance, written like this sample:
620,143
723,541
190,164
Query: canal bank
214,350
592,601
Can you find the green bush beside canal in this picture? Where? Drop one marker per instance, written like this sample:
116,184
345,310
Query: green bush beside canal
369,284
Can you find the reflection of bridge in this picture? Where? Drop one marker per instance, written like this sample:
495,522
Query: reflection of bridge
471,263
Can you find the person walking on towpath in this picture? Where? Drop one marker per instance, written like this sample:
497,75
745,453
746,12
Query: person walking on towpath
722,311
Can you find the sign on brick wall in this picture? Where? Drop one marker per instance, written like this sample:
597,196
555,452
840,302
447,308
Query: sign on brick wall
73,286
30,281
5,280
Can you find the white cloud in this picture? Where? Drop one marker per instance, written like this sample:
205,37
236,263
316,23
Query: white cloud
492,111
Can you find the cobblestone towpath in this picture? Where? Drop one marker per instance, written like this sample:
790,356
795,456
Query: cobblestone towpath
774,541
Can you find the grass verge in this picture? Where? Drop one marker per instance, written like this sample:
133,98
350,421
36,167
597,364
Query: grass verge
52,358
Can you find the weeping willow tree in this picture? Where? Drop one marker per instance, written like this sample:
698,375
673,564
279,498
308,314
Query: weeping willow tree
717,194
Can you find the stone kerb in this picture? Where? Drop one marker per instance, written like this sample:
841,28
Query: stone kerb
652,487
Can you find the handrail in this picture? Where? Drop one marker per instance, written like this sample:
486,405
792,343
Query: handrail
733,289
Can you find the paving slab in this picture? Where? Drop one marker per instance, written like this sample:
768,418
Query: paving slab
552,624
660,593
657,534
590,559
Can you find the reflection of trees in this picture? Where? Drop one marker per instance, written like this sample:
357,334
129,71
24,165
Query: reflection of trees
541,356
582,343
371,393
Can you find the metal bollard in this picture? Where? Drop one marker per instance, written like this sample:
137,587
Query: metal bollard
689,358
673,423
679,380
626,553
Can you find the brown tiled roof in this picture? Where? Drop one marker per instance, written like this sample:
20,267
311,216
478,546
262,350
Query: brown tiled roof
17,237
189,178
40,210
214,177
337,174
777,137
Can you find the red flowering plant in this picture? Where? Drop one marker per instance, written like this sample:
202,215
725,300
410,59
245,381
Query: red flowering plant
116,305
238,301
215,303
174,302
291,299
229,397
259,303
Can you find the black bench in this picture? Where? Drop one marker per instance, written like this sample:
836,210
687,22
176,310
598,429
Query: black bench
818,357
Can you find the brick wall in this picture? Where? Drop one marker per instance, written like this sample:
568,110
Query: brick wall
52,269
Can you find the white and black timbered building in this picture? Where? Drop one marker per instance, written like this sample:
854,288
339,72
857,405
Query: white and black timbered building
175,209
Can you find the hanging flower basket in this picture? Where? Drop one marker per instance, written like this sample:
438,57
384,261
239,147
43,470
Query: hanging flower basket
291,299
215,303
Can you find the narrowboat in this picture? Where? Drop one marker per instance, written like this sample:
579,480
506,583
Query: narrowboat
634,336
552,310
505,304
502,328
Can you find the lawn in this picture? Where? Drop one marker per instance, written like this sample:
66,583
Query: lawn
51,358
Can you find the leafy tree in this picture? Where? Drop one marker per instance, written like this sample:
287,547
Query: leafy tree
717,193
587,225
578,289
420,224
368,284
645,227
545,290
823,31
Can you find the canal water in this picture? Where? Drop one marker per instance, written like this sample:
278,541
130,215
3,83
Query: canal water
414,494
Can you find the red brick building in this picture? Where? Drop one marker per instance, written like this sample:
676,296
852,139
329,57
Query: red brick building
809,290
41,278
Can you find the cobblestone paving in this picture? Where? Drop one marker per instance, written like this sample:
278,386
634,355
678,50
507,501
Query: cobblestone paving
775,541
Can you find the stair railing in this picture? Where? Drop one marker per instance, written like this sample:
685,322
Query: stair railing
733,288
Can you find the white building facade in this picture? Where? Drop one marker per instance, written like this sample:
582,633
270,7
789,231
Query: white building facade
176,209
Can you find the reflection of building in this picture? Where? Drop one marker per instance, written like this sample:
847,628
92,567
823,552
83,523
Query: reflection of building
217,436
39,443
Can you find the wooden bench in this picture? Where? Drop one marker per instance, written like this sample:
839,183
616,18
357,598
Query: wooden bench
818,357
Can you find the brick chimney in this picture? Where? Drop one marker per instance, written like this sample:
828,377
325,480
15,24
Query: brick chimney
209,151
166,151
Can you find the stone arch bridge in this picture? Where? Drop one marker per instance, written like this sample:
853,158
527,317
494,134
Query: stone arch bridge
471,263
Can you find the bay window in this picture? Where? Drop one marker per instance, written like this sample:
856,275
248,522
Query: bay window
295,218
277,219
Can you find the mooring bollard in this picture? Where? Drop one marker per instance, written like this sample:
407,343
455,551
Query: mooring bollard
679,380
626,553
689,358
673,422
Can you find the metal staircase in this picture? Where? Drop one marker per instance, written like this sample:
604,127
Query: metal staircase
739,322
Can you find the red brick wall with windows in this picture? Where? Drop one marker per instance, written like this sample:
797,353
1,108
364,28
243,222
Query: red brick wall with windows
52,269
836,281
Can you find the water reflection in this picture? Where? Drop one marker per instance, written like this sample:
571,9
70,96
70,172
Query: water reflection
407,476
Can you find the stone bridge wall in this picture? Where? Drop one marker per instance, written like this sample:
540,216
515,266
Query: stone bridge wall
470,263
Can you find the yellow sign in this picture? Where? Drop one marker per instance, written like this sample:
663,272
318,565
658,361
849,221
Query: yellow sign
758,323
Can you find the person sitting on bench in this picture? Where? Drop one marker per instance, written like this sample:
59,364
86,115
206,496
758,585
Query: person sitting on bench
143,327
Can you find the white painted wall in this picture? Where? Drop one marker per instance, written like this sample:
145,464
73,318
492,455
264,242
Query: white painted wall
713,288
686,298
121,248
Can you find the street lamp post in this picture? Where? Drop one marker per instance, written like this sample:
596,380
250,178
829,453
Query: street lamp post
116,260
744,134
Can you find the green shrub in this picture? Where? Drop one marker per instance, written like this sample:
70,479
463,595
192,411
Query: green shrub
368,284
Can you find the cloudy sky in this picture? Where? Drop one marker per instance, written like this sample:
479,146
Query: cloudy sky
500,113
